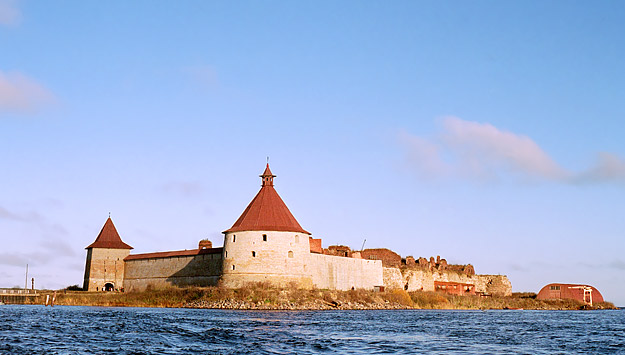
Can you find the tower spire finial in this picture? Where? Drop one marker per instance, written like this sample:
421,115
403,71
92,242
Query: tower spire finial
267,176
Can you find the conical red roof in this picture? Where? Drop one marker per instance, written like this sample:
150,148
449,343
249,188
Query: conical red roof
267,211
109,238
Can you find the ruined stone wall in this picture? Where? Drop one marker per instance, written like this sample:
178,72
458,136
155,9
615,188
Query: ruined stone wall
419,279
342,273
498,285
389,258
104,266
196,270
393,279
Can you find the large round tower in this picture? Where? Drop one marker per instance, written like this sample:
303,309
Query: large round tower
266,243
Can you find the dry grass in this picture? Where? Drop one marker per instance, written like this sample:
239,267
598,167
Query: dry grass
429,300
263,293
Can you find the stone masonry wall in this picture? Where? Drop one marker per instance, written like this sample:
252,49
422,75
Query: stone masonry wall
196,270
281,258
498,285
423,280
104,266
343,273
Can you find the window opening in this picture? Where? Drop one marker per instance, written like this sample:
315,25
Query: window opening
253,254
290,254
264,237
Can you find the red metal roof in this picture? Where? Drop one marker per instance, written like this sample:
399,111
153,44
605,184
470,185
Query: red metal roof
109,238
574,291
167,254
267,211
267,172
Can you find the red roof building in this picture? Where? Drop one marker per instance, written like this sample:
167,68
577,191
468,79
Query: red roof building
109,238
267,211
583,293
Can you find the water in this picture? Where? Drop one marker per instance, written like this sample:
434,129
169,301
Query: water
82,330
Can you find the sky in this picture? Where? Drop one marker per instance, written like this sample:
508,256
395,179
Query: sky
486,132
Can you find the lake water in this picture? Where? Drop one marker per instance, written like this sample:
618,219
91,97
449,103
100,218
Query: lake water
77,330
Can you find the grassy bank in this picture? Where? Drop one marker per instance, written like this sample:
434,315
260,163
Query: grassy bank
265,296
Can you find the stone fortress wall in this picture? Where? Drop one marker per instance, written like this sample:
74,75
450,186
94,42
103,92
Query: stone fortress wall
336,267
182,268
267,244
345,273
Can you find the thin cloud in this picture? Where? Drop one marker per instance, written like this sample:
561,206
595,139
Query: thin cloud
424,154
617,264
10,15
20,217
183,188
19,93
608,167
12,259
58,247
204,76
483,152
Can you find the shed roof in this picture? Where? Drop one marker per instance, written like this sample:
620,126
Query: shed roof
109,238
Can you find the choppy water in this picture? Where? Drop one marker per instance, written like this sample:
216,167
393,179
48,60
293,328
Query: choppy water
77,330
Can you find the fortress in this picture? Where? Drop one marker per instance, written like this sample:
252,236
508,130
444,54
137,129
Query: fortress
267,244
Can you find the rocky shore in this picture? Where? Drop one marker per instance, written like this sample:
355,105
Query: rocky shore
317,305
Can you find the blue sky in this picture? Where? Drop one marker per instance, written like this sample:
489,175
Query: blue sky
488,132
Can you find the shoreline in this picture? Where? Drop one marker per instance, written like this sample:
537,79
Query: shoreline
265,297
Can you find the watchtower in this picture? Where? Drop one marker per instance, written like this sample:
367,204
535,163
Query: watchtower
104,269
266,243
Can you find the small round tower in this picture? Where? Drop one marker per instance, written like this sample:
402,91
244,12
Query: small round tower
266,243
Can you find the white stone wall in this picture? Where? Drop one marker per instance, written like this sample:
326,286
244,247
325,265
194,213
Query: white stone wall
193,270
104,266
341,273
282,259
393,279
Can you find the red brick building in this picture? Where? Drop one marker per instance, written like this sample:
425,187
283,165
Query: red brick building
454,288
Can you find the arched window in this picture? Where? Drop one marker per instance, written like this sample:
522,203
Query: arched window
264,237
290,254
297,239
253,254
232,267
234,238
